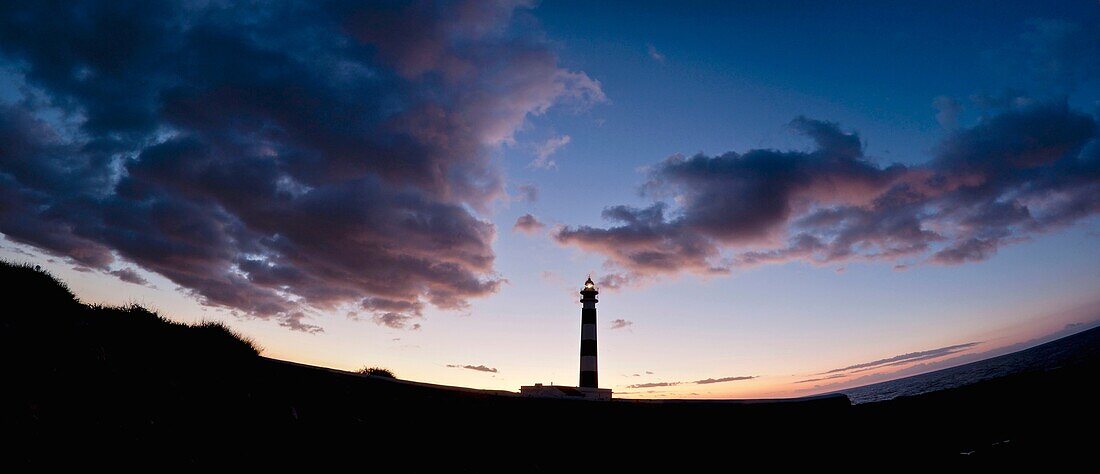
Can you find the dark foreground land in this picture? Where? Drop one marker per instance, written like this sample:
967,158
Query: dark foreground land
100,386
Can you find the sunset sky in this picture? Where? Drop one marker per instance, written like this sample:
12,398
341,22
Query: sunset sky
776,198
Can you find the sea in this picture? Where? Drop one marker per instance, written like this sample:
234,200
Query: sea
1069,350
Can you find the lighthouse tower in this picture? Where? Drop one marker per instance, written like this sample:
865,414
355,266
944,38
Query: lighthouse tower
589,377
588,388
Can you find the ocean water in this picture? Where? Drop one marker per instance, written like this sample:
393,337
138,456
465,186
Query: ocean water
1066,351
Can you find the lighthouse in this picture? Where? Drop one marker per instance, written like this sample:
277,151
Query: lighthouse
589,370
588,388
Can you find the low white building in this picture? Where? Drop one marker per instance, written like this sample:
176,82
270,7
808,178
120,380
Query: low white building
560,391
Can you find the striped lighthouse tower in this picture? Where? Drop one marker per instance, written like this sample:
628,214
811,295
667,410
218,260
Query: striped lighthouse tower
589,378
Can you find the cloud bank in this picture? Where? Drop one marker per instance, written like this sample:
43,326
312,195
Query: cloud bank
273,158
1031,169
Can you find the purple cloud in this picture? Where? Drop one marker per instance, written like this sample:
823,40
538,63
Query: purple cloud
621,324
278,159
1028,170
528,224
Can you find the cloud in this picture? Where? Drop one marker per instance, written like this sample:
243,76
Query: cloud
617,281
279,159
621,324
724,379
544,150
393,313
947,112
528,224
296,322
905,358
697,382
479,368
654,384
128,275
818,379
654,54
528,192
1028,170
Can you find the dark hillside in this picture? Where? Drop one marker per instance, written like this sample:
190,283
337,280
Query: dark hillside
123,385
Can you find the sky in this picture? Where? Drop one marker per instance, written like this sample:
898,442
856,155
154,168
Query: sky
776,198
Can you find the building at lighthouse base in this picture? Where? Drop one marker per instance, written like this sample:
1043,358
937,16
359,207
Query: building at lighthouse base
560,391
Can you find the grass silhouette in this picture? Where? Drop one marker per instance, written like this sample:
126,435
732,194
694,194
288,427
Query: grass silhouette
376,371
115,328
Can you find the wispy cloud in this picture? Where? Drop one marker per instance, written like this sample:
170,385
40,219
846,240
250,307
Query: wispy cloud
621,324
834,376
654,384
479,368
697,382
544,150
905,358
653,53
528,192
723,379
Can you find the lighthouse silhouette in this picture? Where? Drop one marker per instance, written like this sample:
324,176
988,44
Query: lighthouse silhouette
589,368
588,387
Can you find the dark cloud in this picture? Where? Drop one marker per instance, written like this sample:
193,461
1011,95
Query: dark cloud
275,158
621,323
479,368
905,358
528,224
128,275
1028,170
